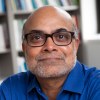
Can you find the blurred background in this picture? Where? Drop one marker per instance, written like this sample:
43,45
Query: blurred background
13,13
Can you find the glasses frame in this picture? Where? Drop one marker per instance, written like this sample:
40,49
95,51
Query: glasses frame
47,36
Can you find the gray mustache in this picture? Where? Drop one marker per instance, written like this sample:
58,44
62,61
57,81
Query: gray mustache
50,56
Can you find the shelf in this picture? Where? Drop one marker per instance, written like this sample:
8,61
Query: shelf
22,12
71,8
3,50
2,14
93,37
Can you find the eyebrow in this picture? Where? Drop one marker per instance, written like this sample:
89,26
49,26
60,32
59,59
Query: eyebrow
55,31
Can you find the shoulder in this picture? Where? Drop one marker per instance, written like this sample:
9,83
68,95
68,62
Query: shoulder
15,78
92,82
91,74
19,78
94,85
15,86
14,83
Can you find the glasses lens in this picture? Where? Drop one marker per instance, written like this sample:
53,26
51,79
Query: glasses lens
36,39
62,38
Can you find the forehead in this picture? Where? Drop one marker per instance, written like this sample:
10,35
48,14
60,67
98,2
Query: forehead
47,21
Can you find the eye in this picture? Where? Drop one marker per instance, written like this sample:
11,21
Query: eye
62,36
35,37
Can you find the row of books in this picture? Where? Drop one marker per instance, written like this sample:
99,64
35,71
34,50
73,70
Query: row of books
4,37
34,4
2,6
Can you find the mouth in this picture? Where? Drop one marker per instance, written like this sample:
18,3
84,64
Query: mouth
50,59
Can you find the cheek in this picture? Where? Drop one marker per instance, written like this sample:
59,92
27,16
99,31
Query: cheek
68,50
32,52
30,56
70,53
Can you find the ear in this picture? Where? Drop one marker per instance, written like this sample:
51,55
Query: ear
23,46
77,42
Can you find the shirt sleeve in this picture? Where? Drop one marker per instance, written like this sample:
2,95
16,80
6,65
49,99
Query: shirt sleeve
2,97
5,93
95,87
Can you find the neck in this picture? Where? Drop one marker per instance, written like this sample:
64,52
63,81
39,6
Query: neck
51,86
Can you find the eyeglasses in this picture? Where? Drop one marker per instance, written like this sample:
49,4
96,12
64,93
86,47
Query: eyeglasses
60,37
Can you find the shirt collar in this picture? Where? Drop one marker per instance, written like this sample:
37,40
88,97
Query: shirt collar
73,83
33,83
75,79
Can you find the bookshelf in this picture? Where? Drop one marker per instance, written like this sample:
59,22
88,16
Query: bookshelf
90,27
9,56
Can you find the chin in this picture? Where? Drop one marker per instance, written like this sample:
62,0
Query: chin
52,73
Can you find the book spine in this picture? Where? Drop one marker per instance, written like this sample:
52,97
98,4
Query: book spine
2,6
45,2
29,5
23,4
18,24
17,3
16,34
65,3
22,67
39,3
34,4
2,40
6,35
13,5
52,2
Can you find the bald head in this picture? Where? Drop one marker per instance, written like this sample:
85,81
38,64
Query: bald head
46,16
49,11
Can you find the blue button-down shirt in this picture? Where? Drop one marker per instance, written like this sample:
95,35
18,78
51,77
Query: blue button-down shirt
82,83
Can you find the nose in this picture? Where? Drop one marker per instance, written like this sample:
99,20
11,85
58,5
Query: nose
49,46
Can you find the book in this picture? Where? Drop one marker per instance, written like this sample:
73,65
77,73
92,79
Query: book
16,34
18,24
6,35
45,2
13,5
73,2
34,4
22,67
2,40
64,3
1,81
2,6
23,4
29,5
18,4
52,2
39,3
58,3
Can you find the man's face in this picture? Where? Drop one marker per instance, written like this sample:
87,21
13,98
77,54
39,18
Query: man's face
50,60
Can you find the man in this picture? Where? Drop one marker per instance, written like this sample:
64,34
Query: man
50,44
